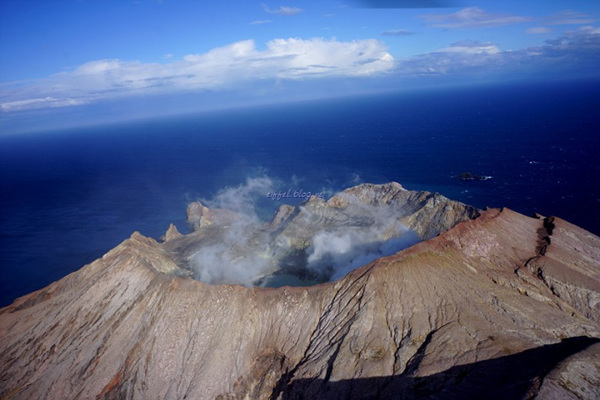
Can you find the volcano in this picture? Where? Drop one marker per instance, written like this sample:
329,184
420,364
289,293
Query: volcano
484,304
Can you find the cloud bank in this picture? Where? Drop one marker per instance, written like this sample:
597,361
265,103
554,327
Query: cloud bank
574,52
242,68
224,67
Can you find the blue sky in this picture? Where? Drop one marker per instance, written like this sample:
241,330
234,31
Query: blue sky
69,62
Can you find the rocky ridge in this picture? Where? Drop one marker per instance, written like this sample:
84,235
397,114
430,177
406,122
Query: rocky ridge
501,306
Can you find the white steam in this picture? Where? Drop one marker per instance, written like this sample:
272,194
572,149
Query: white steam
234,259
372,231
338,252
216,264
241,249
243,198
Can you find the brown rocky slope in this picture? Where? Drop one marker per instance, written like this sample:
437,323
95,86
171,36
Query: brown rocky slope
496,307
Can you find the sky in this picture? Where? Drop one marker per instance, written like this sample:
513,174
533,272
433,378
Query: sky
75,62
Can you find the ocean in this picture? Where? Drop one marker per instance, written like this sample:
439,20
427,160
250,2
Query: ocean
67,197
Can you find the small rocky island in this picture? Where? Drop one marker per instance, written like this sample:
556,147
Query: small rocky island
485,304
468,176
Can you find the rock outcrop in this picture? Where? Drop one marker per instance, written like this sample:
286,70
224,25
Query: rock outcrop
475,312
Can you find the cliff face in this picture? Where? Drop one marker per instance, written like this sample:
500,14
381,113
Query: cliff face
502,306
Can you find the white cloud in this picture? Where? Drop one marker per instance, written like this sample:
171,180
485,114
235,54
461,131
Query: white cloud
569,17
241,65
45,102
220,68
472,17
459,57
397,32
282,10
590,30
471,47
261,22
574,52
539,30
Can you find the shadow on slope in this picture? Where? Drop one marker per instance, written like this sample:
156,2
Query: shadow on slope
517,376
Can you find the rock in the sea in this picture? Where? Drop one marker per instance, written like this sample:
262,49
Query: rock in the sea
468,176
475,312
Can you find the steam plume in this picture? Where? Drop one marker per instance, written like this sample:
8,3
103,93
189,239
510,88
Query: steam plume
245,249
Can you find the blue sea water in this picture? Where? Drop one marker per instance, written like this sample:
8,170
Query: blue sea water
68,197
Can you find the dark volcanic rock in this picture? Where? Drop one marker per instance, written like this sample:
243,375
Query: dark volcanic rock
466,314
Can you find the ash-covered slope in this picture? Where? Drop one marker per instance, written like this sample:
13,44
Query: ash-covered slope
496,307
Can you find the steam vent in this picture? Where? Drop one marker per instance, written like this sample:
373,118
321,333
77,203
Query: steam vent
375,293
